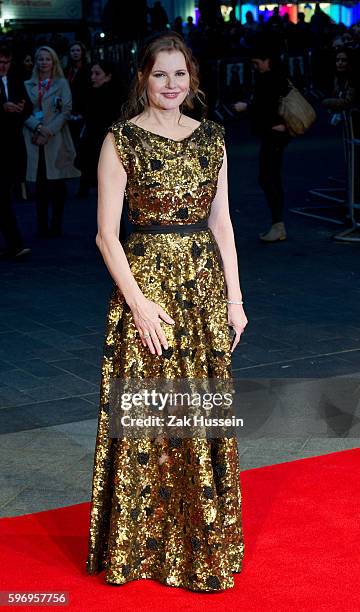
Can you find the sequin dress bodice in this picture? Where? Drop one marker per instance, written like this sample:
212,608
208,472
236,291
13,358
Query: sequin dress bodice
168,181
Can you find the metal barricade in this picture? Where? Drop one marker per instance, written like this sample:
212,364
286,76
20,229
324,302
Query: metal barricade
342,209
124,55
233,75
337,208
352,234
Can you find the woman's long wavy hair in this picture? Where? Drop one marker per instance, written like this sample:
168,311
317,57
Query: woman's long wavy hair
137,100
57,71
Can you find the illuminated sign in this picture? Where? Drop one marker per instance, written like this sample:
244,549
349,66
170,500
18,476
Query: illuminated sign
40,9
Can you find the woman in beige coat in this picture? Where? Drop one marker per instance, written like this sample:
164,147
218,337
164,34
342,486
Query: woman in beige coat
50,150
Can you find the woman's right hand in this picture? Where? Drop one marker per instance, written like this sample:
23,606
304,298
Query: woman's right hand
240,106
38,139
147,316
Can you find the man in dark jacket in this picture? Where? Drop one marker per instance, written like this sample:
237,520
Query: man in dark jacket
15,107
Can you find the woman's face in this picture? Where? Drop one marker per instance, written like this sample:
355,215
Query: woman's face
169,80
75,53
44,62
28,63
341,62
261,65
98,76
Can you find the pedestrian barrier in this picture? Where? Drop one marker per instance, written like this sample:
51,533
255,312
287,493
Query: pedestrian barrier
352,135
344,202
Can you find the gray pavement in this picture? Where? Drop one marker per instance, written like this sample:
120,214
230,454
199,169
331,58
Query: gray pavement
301,298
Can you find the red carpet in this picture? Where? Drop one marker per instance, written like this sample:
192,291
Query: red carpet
302,536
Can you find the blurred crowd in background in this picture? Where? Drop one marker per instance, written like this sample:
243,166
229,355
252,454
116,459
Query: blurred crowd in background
59,95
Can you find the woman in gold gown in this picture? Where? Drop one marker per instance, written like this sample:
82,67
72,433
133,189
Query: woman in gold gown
170,510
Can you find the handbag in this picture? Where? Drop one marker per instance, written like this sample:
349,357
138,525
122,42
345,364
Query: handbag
296,112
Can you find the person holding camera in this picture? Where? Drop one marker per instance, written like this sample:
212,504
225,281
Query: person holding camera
50,148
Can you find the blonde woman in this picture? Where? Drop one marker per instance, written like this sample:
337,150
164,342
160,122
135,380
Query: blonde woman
50,149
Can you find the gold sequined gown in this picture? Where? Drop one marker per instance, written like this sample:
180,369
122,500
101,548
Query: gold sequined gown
178,522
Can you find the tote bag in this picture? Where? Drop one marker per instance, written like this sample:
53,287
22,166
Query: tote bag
296,111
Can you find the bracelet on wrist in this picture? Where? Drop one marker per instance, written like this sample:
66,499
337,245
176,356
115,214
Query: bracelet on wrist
234,302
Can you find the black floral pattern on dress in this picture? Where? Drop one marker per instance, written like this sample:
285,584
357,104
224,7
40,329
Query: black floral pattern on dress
208,492
187,304
143,458
138,249
182,331
149,510
209,264
217,353
167,353
193,353
125,570
195,543
175,442
208,527
134,513
164,493
195,250
155,164
185,352
204,162
127,130
119,326
133,369
182,213
190,284
152,544
213,582
109,350
135,214
145,491
220,469
158,261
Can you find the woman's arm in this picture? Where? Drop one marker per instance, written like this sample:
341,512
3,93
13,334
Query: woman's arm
340,104
221,226
112,181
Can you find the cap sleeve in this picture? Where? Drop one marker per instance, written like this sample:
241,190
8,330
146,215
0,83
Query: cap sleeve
217,132
121,136
220,131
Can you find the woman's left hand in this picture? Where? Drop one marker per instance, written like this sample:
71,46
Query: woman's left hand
279,128
43,131
238,321
240,106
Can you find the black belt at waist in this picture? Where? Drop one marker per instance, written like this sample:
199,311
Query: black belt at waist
183,228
